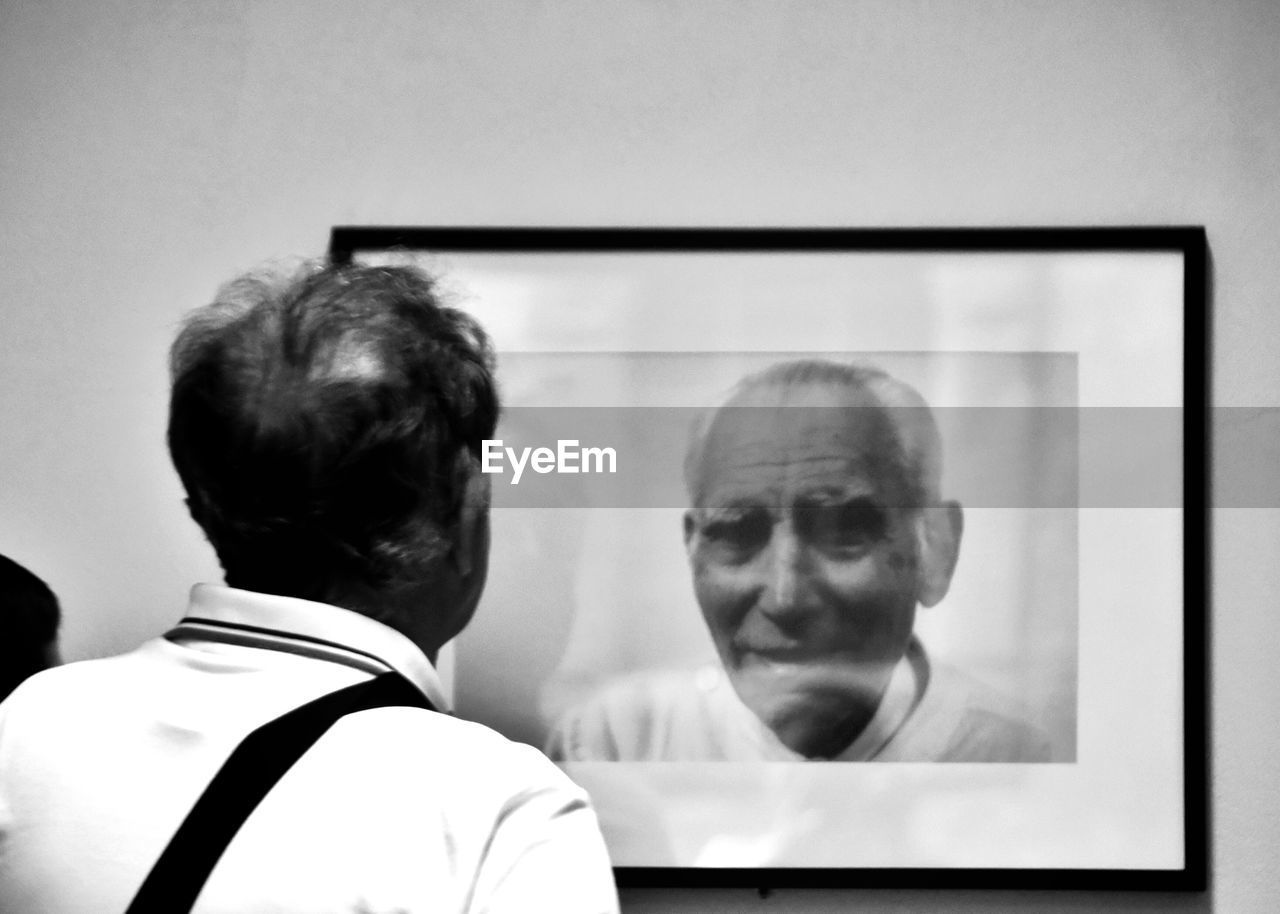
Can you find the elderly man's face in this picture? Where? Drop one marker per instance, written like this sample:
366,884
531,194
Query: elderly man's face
805,559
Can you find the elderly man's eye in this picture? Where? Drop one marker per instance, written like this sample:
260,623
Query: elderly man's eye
738,532
849,525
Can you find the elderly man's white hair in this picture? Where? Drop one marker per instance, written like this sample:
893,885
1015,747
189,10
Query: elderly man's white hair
918,445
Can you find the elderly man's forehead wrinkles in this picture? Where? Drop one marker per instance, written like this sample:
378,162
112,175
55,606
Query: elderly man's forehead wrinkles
744,478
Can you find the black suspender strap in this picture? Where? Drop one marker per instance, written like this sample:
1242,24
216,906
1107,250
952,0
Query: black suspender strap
245,778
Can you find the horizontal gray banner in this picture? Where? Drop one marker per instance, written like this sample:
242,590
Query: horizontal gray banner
991,457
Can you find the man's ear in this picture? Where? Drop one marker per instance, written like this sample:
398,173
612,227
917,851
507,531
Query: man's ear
471,533
690,526
941,527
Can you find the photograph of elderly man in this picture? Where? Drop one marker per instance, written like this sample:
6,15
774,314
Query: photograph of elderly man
816,529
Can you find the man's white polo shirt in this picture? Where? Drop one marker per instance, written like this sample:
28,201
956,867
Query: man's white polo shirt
393,810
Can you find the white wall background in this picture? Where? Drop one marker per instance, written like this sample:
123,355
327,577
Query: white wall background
148,150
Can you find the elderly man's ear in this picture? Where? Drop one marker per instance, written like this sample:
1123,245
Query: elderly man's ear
941,527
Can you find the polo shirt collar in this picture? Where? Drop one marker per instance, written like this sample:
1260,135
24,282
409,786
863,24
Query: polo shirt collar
319,630
899,700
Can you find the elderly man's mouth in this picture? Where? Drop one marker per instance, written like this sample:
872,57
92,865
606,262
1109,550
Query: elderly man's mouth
792,656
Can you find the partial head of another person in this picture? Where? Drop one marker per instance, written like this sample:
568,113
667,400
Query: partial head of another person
326,422
816,528
29,620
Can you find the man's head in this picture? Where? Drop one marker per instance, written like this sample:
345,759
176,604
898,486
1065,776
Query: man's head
29,618
327,426
816,529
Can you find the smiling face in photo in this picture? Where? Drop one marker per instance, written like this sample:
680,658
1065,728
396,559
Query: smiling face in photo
803,547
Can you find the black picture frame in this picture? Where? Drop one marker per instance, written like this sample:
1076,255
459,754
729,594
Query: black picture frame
1187,356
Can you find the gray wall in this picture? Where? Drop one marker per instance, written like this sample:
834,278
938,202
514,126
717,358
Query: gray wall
150,149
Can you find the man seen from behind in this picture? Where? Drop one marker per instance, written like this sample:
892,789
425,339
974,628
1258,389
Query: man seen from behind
327,427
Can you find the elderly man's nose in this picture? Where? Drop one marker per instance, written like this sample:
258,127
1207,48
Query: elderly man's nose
786,590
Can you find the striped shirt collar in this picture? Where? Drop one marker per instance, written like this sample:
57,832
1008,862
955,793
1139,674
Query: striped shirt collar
231,616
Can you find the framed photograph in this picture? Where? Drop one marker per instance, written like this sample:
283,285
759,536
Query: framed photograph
847,557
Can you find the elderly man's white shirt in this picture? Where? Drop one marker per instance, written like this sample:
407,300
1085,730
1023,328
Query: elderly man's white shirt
394,810
929,713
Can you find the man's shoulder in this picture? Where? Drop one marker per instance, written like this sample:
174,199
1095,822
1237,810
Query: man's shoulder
416,746
98,692
81,684
443,738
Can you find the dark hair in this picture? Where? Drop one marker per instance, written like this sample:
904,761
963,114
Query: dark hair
913,456
29,618
325,424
